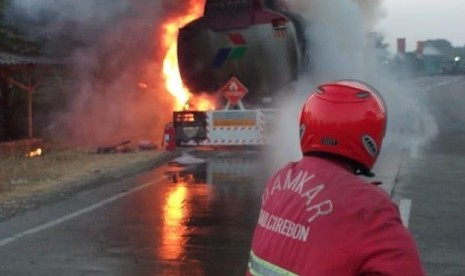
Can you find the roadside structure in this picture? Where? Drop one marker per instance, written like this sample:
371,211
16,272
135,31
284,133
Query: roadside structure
26,74
19,74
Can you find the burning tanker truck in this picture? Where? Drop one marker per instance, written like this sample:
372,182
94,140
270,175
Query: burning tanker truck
246,50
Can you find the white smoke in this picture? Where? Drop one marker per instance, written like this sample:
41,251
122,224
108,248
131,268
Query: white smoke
341,43
108,47
95,13
112,45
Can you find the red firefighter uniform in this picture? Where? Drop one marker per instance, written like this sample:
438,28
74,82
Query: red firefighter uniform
318,219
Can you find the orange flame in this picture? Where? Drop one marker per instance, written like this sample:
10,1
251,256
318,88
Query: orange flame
34,153
173,81
201,102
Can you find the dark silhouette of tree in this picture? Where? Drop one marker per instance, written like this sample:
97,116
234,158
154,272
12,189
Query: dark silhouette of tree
11,40
442,45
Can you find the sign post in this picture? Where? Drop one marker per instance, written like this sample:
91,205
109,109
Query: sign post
234,91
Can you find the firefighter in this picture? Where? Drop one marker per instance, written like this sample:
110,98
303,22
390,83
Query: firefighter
318,217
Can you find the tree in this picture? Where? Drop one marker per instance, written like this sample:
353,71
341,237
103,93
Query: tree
11,40
442,45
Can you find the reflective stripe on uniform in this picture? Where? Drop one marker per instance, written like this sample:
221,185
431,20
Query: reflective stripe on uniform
259,267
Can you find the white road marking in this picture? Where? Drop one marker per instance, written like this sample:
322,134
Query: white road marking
404,208
437,85
73,215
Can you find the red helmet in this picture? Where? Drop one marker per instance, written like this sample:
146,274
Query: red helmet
347,119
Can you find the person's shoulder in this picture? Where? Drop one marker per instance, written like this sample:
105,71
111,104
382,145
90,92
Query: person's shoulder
364,191
373,192
361,196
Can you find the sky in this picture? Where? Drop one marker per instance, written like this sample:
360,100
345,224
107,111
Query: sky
418,20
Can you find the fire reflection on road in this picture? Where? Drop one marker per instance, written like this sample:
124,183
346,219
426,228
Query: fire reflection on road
184,201
206,215
175,211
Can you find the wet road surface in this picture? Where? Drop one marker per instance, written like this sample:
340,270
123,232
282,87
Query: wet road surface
194,220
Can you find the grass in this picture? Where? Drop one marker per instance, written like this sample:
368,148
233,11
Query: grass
20,176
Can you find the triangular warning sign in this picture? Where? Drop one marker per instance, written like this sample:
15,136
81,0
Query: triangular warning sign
234,90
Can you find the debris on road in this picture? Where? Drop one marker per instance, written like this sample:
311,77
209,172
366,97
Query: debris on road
147,145
121,147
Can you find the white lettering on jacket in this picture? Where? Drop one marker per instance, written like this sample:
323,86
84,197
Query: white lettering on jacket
295,183
283,226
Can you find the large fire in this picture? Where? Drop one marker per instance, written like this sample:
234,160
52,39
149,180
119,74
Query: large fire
173,81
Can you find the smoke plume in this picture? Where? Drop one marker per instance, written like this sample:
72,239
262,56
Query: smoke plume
112,45
341,38
107,47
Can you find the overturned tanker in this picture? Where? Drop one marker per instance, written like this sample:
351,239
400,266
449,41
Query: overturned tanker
247,50
256,41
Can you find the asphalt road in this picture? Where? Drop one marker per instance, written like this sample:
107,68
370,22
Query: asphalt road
191,220
198,219
432,176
